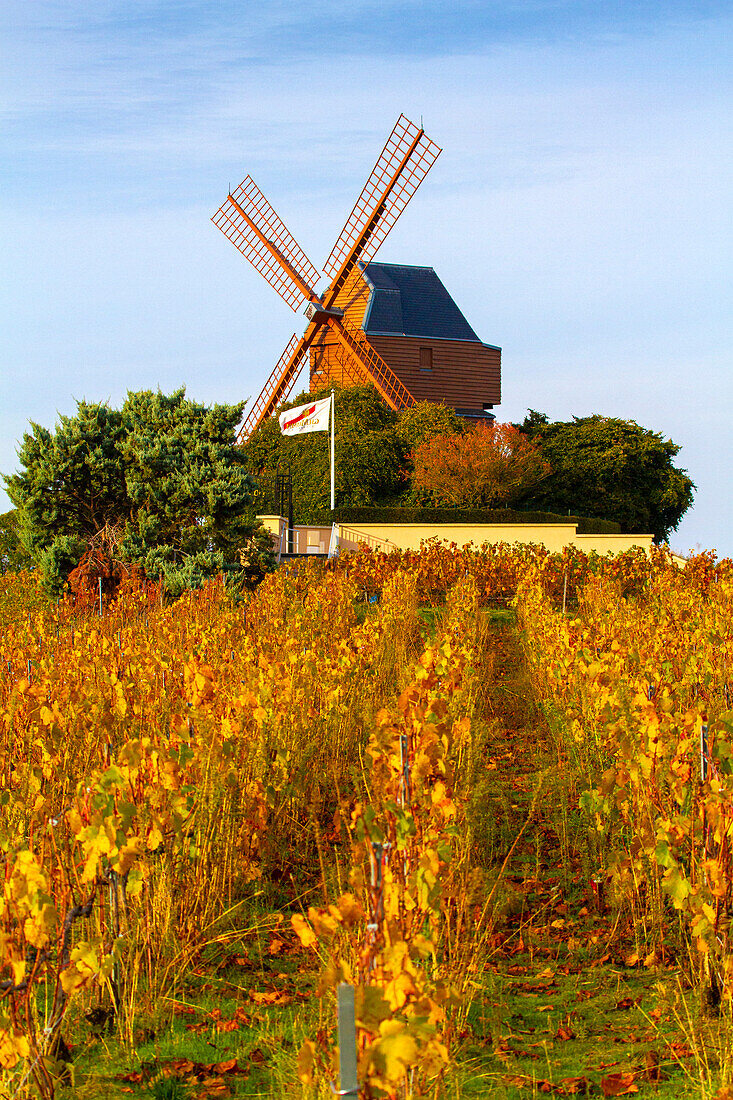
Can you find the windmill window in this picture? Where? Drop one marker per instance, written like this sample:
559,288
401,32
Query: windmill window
426,358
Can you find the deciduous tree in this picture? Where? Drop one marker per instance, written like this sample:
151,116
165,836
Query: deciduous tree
613,469
484,465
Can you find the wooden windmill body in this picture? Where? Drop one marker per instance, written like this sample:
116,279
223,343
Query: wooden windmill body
393,326
408,318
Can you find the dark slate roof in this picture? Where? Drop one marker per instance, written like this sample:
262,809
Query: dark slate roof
412,301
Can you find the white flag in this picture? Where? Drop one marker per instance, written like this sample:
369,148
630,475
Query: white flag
306,418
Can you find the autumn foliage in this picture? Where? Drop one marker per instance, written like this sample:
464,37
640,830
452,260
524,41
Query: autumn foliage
644,720
163,762
487,465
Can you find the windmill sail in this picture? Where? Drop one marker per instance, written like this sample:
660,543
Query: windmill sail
278,385
372,366
253,226
403,164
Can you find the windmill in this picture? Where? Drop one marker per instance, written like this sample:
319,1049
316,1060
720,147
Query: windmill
252,225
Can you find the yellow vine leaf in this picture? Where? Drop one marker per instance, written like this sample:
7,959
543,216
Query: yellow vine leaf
303,930
14,1046
306,1062
395,1051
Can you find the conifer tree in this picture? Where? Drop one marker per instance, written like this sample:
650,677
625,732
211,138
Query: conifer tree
162,474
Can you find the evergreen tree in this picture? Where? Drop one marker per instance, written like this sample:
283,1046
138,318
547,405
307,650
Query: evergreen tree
162,476
13,554
425,420
613,469
370,455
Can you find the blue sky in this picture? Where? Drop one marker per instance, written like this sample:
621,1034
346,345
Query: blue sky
579,214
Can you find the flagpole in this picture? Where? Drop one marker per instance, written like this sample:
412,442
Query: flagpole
333,451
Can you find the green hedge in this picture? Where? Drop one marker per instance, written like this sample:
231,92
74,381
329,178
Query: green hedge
586,525
590,525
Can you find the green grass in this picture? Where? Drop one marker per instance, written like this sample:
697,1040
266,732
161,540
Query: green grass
566,1029
194,1027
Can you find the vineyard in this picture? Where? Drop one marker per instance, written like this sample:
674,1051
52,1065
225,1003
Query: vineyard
490,790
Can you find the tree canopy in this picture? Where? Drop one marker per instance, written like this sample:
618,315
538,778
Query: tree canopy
481,466
162,476
374,448
596,467
370,456
13,554
425,420
612,469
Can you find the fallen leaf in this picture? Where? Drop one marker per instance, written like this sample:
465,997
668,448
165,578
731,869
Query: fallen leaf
533,988
580,1086
211,1087
565,1030
619,1084
184,1065
651,1064
270,997
227,1025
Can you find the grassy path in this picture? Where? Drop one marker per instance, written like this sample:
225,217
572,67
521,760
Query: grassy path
566,1008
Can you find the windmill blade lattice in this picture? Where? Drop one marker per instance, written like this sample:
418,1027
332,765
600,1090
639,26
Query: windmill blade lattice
403,164
372,366
278,385
351,370
253,226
